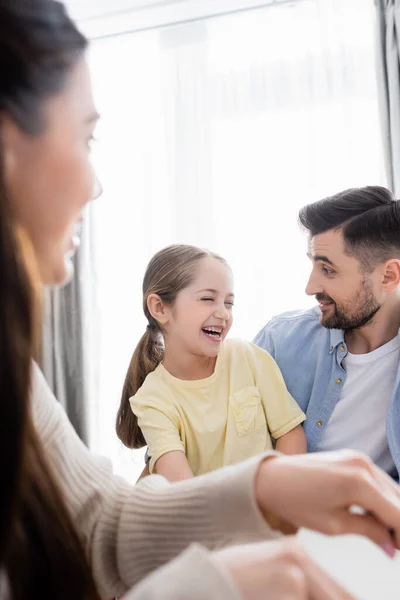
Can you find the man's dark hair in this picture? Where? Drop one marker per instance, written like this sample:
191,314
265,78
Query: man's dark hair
368,218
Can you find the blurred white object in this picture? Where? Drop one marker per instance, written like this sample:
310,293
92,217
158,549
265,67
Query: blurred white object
360,566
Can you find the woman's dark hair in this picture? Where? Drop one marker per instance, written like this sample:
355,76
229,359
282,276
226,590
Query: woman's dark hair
368,217
169,272
40,551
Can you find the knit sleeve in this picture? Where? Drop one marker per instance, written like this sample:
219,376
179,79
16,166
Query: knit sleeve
131,531
194,574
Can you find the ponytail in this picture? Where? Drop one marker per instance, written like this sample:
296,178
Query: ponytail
147,356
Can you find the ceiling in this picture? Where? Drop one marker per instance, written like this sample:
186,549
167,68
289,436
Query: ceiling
104,18
89,9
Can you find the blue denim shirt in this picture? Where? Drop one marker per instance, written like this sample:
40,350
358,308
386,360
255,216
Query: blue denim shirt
310,358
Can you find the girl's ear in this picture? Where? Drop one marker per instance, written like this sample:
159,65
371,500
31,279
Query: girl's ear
158,309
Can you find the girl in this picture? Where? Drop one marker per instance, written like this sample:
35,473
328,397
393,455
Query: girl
198,401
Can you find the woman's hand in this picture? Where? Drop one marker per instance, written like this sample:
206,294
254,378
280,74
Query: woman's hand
317,491
279,570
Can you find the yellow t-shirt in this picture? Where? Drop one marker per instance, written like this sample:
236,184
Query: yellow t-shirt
220,420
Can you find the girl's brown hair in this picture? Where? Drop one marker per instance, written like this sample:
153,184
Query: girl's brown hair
40,551
169,272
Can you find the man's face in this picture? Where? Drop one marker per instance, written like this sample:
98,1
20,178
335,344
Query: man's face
348,297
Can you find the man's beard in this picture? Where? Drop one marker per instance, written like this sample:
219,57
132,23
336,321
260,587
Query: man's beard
354,314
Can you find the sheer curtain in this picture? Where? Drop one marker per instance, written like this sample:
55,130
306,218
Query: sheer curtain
215,132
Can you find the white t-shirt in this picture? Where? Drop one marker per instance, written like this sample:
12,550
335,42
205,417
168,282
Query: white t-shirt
358,420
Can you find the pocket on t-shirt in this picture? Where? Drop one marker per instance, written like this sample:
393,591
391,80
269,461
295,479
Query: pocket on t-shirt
248,410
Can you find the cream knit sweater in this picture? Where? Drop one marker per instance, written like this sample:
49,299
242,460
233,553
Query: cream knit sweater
130,531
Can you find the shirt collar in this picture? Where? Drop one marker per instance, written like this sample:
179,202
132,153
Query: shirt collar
337,337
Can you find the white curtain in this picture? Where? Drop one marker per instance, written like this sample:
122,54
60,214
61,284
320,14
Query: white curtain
215,132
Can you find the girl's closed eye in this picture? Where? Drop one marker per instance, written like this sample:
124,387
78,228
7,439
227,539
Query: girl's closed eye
208,299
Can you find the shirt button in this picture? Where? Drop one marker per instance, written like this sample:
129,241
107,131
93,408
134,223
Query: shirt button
338,381
319,423
342,348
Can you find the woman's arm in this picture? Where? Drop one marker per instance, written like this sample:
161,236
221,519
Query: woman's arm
131,531
195,574
242,573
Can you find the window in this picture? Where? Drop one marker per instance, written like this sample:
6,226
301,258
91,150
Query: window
215,132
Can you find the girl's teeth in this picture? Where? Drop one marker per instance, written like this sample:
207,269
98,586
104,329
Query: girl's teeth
212,333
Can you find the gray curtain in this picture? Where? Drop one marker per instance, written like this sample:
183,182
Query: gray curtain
70,332
62,355
388,69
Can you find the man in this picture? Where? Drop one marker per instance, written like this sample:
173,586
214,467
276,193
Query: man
340,360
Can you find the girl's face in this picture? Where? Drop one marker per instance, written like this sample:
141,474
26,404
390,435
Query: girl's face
201,316
48,176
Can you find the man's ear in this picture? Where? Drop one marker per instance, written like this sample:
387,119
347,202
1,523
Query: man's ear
391,275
